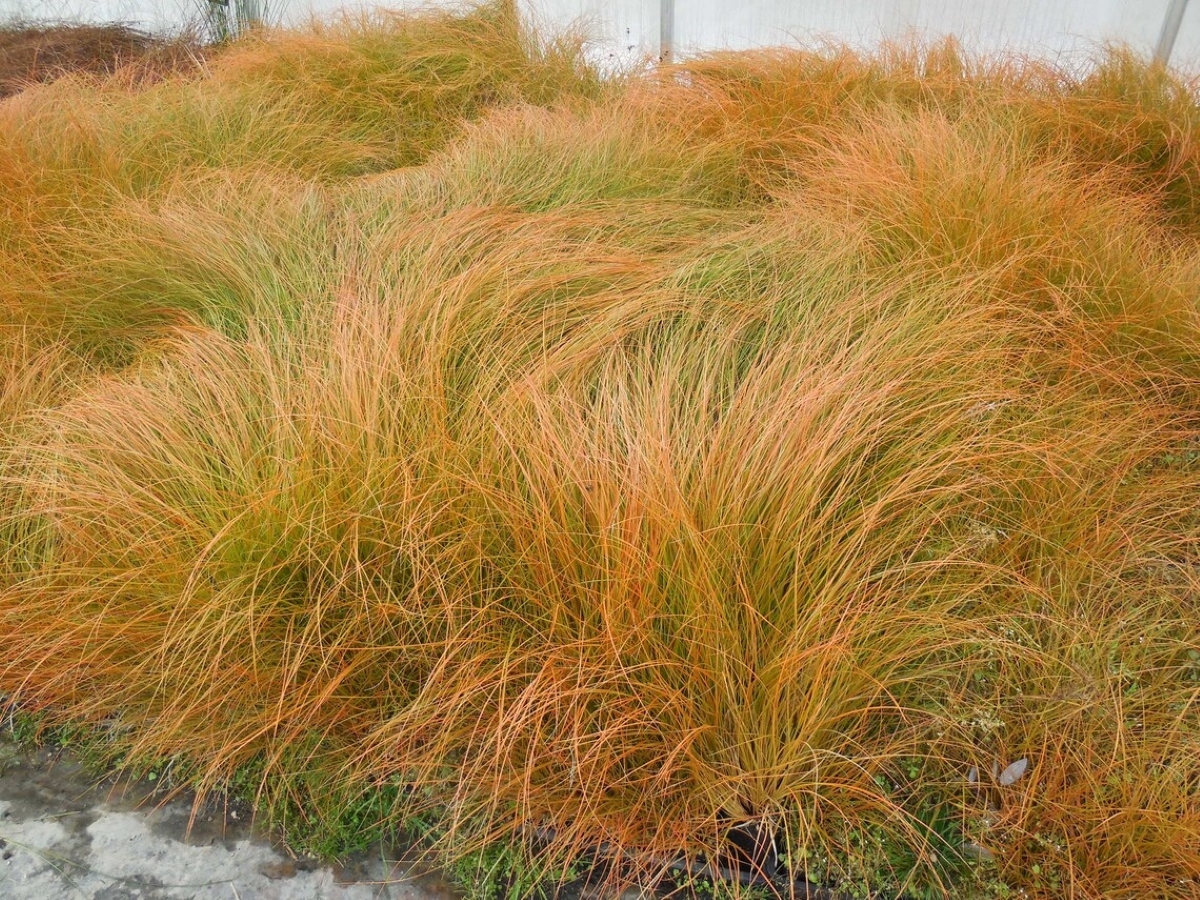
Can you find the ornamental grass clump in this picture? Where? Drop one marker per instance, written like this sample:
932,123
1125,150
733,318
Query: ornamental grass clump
82,157
782,467
37,53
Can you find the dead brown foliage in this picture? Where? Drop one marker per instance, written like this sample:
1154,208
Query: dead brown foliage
35,54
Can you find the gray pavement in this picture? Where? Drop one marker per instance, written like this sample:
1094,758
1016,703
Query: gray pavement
62,836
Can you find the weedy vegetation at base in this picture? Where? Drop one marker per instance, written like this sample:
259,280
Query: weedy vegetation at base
781,468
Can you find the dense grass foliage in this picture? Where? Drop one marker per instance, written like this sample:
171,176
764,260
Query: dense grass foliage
402,421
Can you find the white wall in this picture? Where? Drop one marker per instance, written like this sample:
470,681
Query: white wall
626,29
1056,29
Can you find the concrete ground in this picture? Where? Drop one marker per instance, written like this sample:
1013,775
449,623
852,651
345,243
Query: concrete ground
61,836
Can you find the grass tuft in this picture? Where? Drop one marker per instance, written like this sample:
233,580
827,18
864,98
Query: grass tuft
779,465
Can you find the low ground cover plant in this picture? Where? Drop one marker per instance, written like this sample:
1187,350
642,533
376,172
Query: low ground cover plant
780,468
